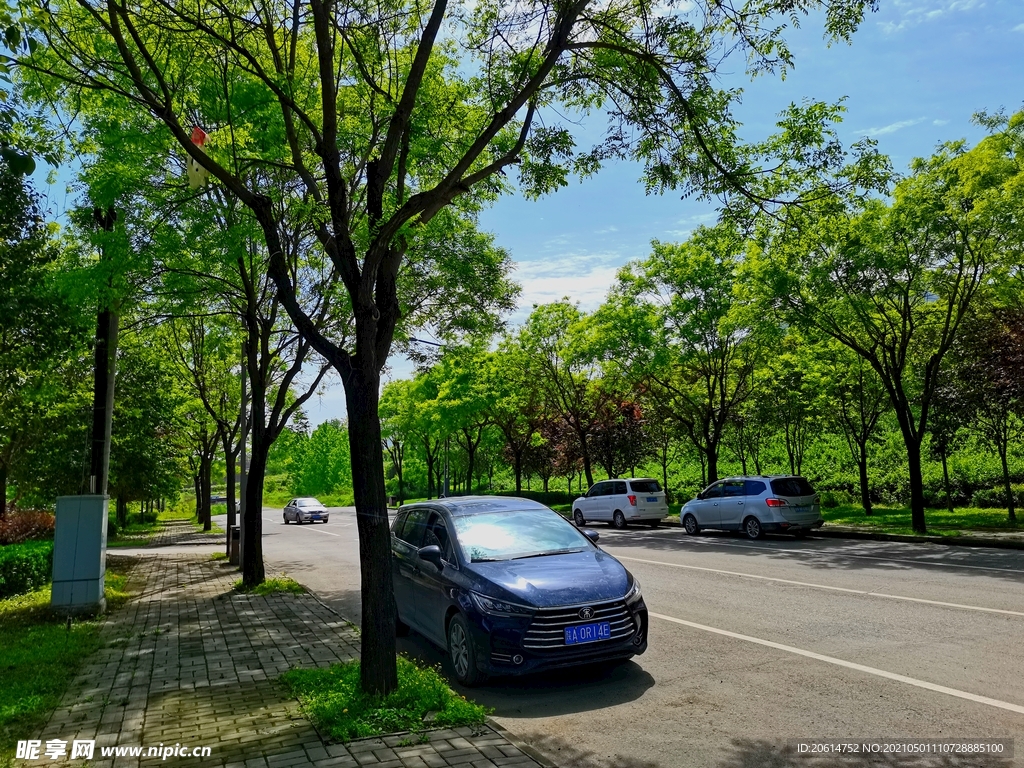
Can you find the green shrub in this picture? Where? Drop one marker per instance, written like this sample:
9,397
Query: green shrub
23,567
995,498
25,525
334,702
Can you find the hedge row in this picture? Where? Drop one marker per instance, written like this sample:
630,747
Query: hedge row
26,524
995,498
23,567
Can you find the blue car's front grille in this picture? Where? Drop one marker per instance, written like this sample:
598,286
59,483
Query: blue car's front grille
547,630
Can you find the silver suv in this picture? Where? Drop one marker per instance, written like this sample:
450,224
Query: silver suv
755,505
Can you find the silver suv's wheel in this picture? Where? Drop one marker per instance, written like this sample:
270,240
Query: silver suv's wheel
577,517
619,520
690,524
752,527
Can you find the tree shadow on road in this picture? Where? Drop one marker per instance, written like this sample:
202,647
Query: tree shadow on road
832,554
543,694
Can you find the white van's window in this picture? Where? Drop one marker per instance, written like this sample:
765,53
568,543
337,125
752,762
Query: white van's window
645,486
792,486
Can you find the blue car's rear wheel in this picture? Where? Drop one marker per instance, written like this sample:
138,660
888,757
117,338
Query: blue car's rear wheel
461,652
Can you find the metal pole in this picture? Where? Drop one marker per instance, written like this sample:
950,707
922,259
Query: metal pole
105,366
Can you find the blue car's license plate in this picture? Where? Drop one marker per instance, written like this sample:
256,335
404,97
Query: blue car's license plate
588,633
652,498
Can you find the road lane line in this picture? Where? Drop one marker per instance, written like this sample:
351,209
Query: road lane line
849,665
869,593
313,528
712,542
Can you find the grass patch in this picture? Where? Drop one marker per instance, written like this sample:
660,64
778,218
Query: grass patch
39,655
939,521
219,556
270,586
332,700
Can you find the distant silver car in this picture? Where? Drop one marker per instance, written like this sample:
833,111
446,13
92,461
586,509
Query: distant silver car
755,505
305,510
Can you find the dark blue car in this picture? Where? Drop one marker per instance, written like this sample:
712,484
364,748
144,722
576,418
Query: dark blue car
508,586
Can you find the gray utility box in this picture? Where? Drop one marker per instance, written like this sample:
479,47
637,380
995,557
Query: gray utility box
79,555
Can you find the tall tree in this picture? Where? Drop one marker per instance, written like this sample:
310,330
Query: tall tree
386,115
675,323
894,283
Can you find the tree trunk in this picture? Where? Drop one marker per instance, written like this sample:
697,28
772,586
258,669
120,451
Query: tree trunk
585,451
862,466
3,490
916,485
253,572
1006,483
712,454
378,665
945,482
199,496
229,460
518,456
205,487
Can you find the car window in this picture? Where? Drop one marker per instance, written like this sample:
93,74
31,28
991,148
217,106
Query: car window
437,533
619,488
512,535
598,489
791,486
714,492
753,488
415,527
733,488
291,503
644,486
396,527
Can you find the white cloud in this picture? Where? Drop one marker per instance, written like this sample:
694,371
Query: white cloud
910,14
939,122
1019,28
891,128
583,278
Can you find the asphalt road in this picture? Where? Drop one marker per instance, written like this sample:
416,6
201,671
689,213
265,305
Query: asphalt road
754,645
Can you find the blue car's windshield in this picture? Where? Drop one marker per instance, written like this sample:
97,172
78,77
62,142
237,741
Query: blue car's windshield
511,535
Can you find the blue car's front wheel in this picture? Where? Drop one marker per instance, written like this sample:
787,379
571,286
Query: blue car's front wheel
461,652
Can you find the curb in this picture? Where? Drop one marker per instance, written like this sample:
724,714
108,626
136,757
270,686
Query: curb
952,541
539,758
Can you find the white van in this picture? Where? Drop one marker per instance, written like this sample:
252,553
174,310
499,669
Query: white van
620,502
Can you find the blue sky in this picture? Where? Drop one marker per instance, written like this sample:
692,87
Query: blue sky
912,76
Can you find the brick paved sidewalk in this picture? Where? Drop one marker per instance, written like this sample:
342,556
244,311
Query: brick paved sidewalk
175,532
191,662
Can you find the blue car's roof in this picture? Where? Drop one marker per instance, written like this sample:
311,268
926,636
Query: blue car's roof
474,505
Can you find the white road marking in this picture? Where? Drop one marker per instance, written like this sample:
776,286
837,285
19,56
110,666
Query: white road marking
315,528
712,542
824,586
850,665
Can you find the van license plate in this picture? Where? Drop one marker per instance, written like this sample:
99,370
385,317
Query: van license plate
588,633
652,498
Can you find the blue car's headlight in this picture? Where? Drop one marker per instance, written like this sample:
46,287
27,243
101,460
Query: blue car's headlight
634,593
493,607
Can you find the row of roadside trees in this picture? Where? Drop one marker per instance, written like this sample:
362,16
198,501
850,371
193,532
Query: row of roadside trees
847,324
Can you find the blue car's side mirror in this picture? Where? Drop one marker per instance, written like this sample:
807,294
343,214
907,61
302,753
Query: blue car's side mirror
432,554
591,534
